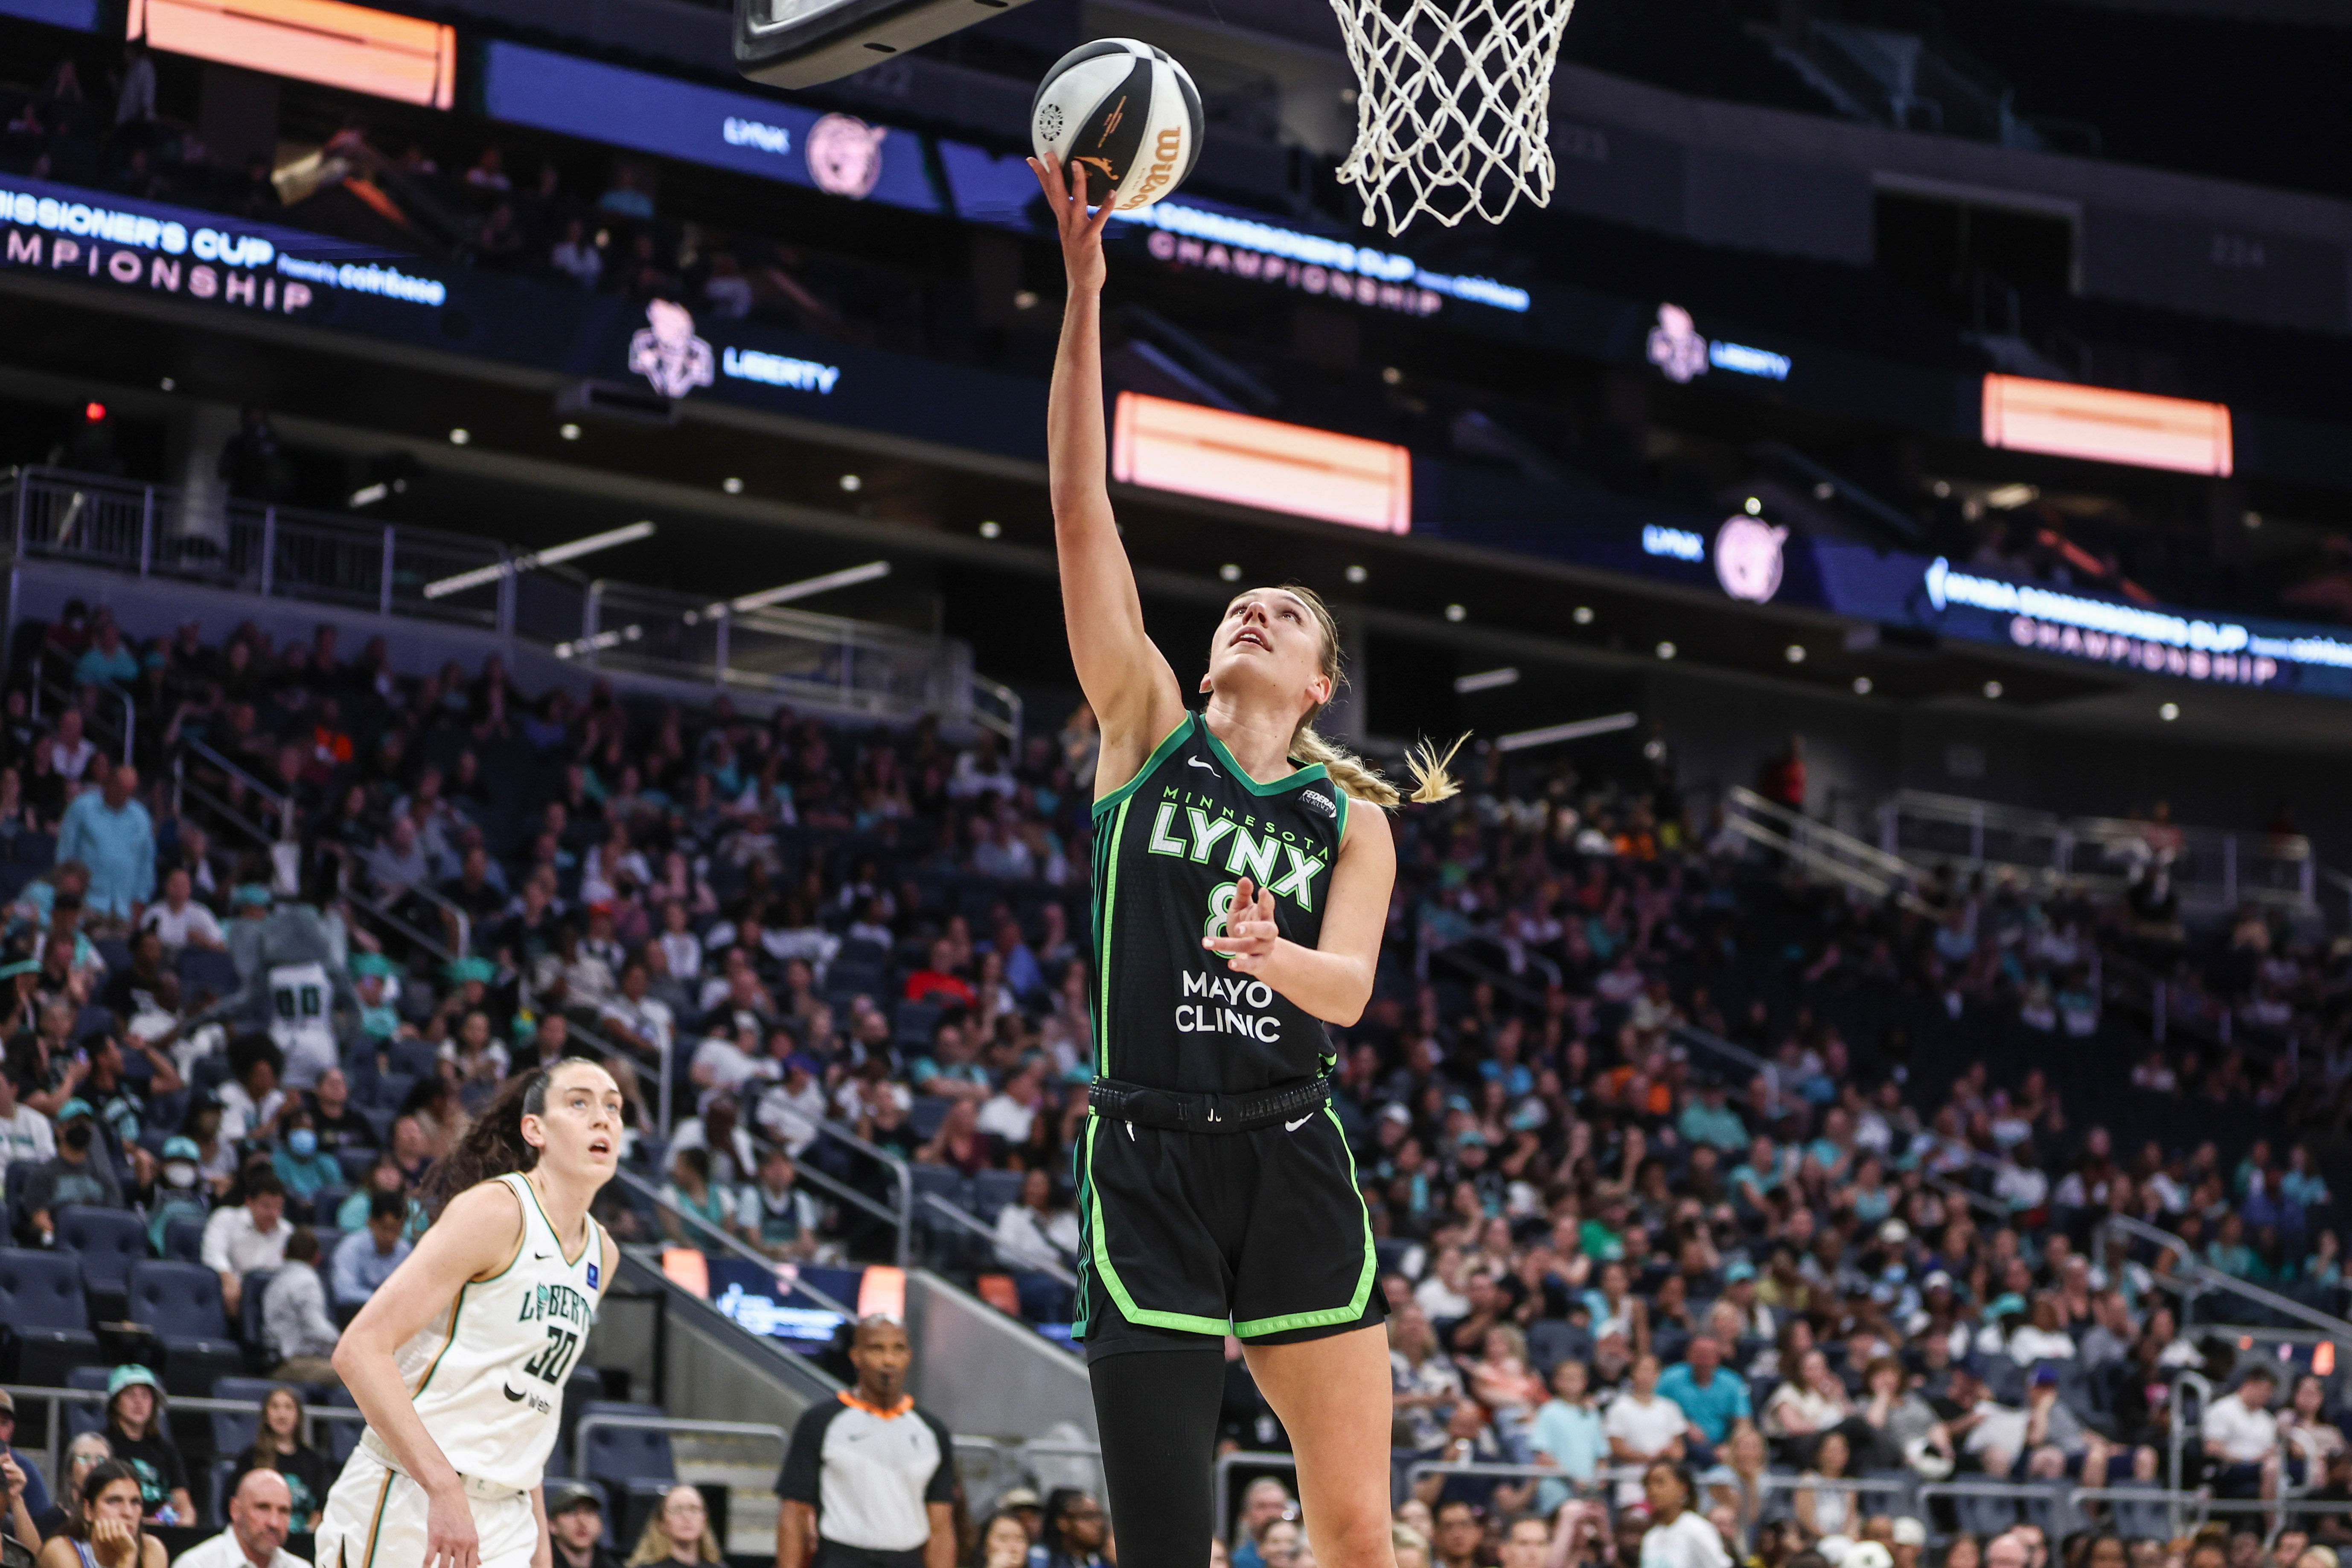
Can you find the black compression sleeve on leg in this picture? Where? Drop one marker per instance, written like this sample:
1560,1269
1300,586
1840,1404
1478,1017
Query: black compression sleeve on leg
1158,1411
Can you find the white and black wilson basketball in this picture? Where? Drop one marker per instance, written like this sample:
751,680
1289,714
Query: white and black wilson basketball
1126,112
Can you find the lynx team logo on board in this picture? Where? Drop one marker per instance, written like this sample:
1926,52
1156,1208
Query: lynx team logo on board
844,156
667,353
1747,558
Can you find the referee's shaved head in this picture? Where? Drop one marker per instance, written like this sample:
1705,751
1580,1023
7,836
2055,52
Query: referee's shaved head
879,1349
876,1323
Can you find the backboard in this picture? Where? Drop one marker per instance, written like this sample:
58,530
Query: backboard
799,43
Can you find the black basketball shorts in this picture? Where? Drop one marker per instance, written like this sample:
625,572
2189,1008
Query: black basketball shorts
1190,1237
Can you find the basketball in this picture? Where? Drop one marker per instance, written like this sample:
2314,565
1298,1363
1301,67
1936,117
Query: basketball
1126,111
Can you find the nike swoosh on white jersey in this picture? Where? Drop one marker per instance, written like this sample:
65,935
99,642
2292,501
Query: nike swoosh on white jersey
1197,762
1295,1126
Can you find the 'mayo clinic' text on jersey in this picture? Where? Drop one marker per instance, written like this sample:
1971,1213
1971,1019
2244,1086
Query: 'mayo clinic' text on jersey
1171,847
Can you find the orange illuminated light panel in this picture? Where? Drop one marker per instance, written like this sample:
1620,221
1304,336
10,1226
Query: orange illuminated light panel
1208,452
2107,425
314,40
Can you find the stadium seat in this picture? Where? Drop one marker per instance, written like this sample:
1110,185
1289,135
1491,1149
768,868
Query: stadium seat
180,1302
621,1456
841,1284
205,969
47,1321
911,1026
942,1182
356,1163
106,1243
342,1424
86,1415
1551,1341
184,1239
212,1495
925,1114
234,1430
248,1314
1044,1299
18,1170
991,1190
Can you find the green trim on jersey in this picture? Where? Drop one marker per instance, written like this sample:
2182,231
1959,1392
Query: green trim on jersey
1160,753
1241,775
1105,913
1256,1327
455,1308
569,1261
1183,1321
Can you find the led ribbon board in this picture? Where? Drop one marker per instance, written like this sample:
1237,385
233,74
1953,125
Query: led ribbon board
326,41
2105,425
1264,463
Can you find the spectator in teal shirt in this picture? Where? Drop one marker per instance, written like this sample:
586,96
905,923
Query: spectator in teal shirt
1567,1433
113,835
1715,1400
1707,1119
305,1168
1758,1176
106,662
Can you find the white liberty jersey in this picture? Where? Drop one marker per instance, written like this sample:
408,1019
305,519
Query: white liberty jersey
301,1001
487,1377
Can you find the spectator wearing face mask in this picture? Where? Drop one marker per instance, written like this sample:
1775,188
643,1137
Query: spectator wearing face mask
180,1190
306,1169
73,1177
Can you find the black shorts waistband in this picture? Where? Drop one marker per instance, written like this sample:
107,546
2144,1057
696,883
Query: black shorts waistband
1173,1113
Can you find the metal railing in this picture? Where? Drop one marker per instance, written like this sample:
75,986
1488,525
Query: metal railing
825,662
1867,867
931,1203
315,1418
2195,1277
848,667
2211,869
63,697
1022,1462
726,1242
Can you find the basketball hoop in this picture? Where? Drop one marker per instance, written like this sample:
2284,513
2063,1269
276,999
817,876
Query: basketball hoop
1451,105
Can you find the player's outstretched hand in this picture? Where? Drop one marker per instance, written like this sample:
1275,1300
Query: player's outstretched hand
449,1538
1081,232
1250,930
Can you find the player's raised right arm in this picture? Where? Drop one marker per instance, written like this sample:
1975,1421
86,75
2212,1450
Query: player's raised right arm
1126,679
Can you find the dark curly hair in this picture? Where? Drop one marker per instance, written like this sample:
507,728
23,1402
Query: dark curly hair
494,1145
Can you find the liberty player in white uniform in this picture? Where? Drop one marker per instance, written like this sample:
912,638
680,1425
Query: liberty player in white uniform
459,1360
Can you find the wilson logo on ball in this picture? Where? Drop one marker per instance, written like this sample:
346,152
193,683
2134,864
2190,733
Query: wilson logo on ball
1124,112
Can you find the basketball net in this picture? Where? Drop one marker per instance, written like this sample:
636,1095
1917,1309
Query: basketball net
1451,105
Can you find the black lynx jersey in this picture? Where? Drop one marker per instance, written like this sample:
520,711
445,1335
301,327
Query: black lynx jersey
1172,846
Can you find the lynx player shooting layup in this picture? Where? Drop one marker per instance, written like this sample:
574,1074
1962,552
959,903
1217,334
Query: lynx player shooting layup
1241,872
459,1360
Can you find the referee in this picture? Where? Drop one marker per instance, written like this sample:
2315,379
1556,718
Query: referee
869,1480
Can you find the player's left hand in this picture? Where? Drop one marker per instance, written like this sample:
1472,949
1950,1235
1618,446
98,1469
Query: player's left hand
1250,930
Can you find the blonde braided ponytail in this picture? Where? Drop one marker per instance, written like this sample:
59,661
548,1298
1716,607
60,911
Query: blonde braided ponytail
1356,777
